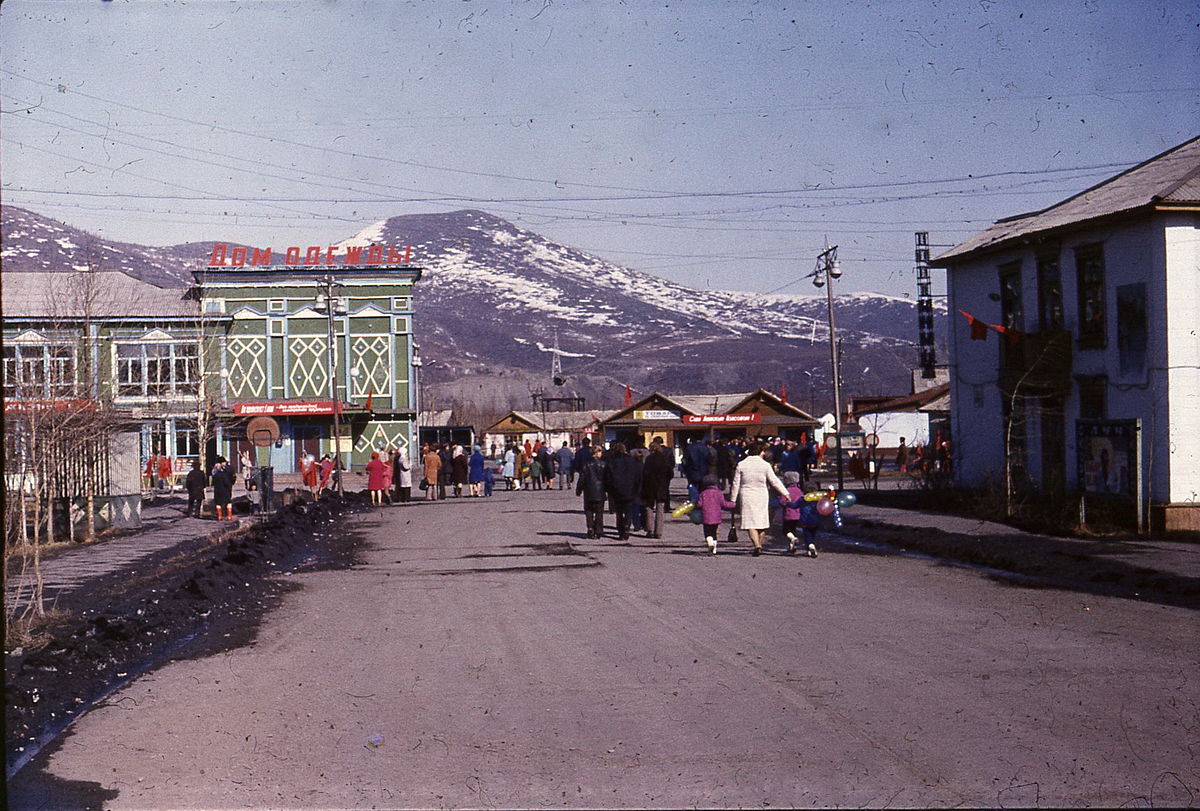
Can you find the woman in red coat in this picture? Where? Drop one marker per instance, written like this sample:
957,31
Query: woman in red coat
309,472
376,472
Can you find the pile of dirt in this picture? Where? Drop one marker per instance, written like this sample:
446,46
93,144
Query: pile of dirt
192,600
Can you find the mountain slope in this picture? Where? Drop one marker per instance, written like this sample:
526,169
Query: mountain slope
494,300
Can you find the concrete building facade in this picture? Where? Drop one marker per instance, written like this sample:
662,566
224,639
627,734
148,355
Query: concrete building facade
1075,352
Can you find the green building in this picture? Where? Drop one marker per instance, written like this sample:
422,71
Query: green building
185,369
268,354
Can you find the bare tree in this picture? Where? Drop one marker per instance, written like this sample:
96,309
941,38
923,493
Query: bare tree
57,428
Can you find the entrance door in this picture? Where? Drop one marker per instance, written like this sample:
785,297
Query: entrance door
1054,448
307,441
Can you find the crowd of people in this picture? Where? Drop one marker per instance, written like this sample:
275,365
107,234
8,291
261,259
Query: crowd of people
761,482
754,479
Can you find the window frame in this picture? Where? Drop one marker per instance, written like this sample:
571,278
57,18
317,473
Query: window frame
1050,292
1091,297
156,369
37,370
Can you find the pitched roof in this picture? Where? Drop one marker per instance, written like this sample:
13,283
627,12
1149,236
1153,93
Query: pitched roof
113,294
1172,178
919,401
562,420
435,419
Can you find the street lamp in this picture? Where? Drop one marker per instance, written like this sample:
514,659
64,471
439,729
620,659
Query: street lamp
416,367
326,302
829,268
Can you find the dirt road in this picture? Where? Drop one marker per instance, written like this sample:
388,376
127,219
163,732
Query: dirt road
487,655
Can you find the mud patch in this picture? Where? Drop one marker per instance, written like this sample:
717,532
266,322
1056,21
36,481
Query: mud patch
199,598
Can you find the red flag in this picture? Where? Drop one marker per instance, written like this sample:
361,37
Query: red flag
628,395
1013,335
978,328
783,392
370,394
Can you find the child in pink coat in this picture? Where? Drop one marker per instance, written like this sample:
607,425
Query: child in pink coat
710,504
798,513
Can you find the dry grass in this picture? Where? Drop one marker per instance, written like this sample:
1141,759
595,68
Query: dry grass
29,633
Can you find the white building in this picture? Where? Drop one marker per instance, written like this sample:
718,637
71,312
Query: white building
1075,347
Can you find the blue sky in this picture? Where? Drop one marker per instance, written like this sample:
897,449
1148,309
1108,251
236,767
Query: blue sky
714,144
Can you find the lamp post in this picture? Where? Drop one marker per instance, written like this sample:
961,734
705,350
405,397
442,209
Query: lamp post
327,303
416,367
829,268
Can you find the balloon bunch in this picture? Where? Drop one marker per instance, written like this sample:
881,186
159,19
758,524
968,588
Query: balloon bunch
831,502
688,508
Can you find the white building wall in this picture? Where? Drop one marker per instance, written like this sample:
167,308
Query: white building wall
1182,245
889,426
976,405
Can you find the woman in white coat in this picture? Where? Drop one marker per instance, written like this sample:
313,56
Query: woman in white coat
752,484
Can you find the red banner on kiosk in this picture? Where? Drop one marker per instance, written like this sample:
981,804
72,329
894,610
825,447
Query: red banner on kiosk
714,419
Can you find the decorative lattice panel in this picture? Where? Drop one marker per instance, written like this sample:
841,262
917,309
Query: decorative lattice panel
371,355
247,366
383,435
308,366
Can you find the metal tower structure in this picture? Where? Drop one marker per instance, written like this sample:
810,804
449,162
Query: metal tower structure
926,349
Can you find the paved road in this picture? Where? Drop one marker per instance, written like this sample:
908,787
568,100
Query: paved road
505,661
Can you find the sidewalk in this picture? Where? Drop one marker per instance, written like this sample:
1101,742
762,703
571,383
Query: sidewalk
1178,558
164,526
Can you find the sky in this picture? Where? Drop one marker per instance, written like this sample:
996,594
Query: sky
720,145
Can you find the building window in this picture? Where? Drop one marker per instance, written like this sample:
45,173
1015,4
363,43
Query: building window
187,440
1092,395
276,306
1012,315
277,326
1011,312
39,371
401,303
1089,270
157,370
1050,300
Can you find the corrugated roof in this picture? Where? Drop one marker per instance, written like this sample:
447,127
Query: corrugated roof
1173,176
709,403
55,294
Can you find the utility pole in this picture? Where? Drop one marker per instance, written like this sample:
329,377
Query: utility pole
829,268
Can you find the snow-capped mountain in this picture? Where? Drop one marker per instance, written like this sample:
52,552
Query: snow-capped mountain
495,300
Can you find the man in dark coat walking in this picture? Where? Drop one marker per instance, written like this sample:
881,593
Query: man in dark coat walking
696,458
195,483
590,485
623,483
222,482
657,473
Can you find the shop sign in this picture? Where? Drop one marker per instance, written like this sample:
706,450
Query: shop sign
655,414
282,409
721,419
